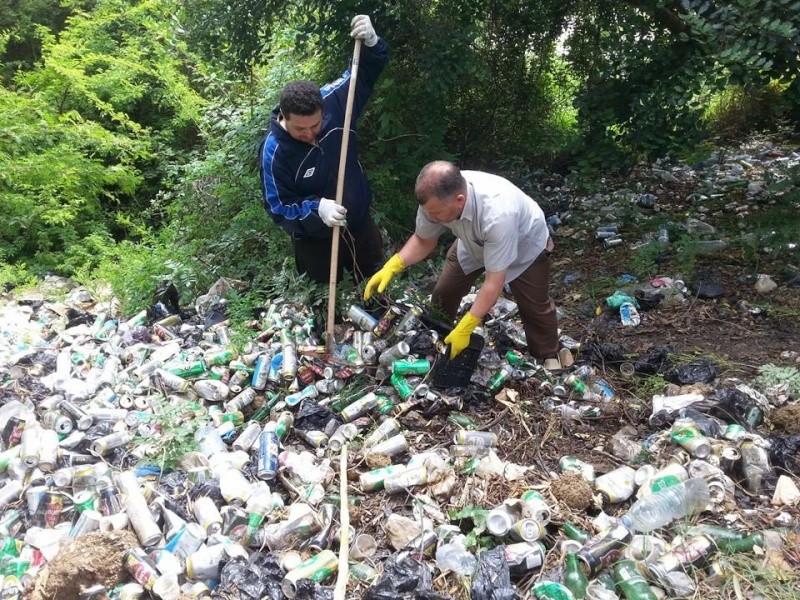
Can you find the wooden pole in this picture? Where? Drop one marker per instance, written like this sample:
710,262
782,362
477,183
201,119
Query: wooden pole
348,115
344,530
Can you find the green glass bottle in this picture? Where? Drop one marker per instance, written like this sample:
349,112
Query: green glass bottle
574,577
550,590
631,582
574,533
743,545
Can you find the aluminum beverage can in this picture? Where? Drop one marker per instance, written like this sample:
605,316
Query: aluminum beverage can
316,439
617,485
411,367
670,475
29,451
603,549
527,530
410,320
260,372
398,351
318,568
188,540
404,389
535,507
405,479
48,450
110,503
686,433
207,515
361,318
284,424
88,520
475,438
305,375
107,443
241,400
247,437
268,449
690,551
385,322
141,566
360,407
524,557
392,446
57,421
289,366
384,431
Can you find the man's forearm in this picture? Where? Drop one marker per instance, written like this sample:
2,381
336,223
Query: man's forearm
488,294
416,249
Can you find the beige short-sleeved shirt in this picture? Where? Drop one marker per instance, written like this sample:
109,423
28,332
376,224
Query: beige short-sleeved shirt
500,227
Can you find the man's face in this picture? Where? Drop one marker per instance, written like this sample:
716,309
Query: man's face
444,211
304,128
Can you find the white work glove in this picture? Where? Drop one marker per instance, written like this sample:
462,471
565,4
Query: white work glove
361,28
332,214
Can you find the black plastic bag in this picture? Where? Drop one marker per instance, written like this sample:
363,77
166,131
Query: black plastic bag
654,362
313,417
784,453
492,580
258,577
605,353
403,577
735,405
699,371
308,589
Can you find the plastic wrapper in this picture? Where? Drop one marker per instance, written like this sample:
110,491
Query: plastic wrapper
492,580
403,577
258,577
699,371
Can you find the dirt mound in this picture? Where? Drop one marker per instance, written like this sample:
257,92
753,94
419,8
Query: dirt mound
92,558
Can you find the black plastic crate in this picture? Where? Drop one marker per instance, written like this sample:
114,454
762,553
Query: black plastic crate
457,372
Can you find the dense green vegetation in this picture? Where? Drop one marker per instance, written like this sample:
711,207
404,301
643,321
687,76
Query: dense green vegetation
129,129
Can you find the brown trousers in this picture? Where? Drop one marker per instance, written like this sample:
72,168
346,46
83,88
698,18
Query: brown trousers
530,291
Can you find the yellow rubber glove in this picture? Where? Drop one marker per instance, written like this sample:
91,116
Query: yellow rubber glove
381,279
459,337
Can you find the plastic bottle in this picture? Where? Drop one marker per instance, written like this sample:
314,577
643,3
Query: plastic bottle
660,509
453,556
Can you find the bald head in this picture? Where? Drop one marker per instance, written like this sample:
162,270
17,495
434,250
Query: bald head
439,179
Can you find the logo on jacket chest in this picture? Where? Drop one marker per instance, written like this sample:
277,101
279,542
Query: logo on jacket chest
309,173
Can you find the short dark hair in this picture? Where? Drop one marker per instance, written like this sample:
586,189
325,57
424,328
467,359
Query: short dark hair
300,98
439,179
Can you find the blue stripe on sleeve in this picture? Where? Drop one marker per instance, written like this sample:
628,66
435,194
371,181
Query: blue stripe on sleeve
271,192
330,88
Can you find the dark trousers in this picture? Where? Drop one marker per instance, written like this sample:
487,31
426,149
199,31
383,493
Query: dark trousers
536,308
360,252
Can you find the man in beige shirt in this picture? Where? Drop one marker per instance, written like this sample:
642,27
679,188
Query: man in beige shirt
501,233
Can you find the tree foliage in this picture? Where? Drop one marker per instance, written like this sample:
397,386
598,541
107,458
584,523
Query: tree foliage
133,125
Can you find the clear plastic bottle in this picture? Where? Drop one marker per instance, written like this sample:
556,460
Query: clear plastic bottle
677,501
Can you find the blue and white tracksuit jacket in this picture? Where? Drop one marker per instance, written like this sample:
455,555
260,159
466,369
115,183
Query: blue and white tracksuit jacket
295,174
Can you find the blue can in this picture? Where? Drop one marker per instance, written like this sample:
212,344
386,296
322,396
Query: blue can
260,372
268,448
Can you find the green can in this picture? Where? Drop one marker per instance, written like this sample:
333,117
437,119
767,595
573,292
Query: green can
317,568
404,389
411,367
372,481
220,357
191,369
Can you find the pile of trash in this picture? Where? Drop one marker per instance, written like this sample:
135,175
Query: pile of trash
163,455
154,456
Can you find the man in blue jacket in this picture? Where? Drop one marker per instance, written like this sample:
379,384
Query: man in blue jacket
300,165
